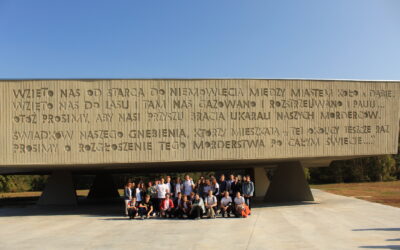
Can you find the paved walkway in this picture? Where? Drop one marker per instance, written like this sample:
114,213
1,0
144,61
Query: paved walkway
332,222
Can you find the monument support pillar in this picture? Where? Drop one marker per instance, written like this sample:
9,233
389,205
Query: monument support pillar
261,183
103,187
289,184
59,190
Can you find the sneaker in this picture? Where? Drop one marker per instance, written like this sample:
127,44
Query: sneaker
142,217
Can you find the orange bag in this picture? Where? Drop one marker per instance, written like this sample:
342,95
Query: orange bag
245,211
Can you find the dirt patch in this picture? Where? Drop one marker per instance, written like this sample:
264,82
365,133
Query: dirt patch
387,193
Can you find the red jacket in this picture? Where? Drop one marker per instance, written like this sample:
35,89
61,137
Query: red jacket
162,205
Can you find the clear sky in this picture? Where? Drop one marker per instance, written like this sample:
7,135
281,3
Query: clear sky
339,39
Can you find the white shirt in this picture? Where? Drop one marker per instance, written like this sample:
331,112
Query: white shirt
211,200
187,185
166,204
214,189
138,195
225,201
239,201
161,190
177,189
168,186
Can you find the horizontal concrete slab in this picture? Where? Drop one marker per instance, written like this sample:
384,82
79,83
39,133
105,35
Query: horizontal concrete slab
331,222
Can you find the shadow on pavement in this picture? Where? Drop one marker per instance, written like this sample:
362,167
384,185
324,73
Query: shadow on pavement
378,229
382,247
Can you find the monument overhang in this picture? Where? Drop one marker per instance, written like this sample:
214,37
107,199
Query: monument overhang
117,124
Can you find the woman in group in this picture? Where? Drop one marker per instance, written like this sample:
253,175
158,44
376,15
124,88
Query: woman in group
166,207
132,208
241,209
139,192
198,209
127,195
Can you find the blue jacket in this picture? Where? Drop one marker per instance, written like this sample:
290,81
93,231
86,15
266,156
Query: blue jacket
248,188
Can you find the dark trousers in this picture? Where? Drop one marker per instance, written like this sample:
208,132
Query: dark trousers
132,212
143,211
228,209
196,212
247,200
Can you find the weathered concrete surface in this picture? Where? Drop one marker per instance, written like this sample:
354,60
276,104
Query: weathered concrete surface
332,222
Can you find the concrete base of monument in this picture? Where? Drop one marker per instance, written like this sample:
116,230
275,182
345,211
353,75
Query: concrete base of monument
59,190
288,184
103,188
331,222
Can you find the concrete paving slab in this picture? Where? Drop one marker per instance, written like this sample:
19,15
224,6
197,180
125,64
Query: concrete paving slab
331,222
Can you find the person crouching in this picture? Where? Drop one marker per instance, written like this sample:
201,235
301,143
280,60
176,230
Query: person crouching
226,204
145,207
241,209
132,208
166,207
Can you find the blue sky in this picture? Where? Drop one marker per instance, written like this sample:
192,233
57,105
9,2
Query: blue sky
340,39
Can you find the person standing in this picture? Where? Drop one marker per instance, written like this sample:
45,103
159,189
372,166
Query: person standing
162,190
127,195
207,187
248,190
177,186
222,186
170,186
236,186
229,185
211,205
188,185
215,187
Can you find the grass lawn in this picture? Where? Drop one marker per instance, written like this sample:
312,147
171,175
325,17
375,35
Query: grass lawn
387,193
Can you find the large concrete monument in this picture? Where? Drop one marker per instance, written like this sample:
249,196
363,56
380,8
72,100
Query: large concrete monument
65,126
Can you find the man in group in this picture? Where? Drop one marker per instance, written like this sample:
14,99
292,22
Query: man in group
166,207
177,205
188,185
186,206
222,186
229,185
226,204
211,203
169,186
145,207
248,190
162,190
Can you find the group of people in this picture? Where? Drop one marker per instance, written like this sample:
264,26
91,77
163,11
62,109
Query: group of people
187,199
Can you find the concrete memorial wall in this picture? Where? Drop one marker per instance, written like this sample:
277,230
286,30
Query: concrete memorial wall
61,122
